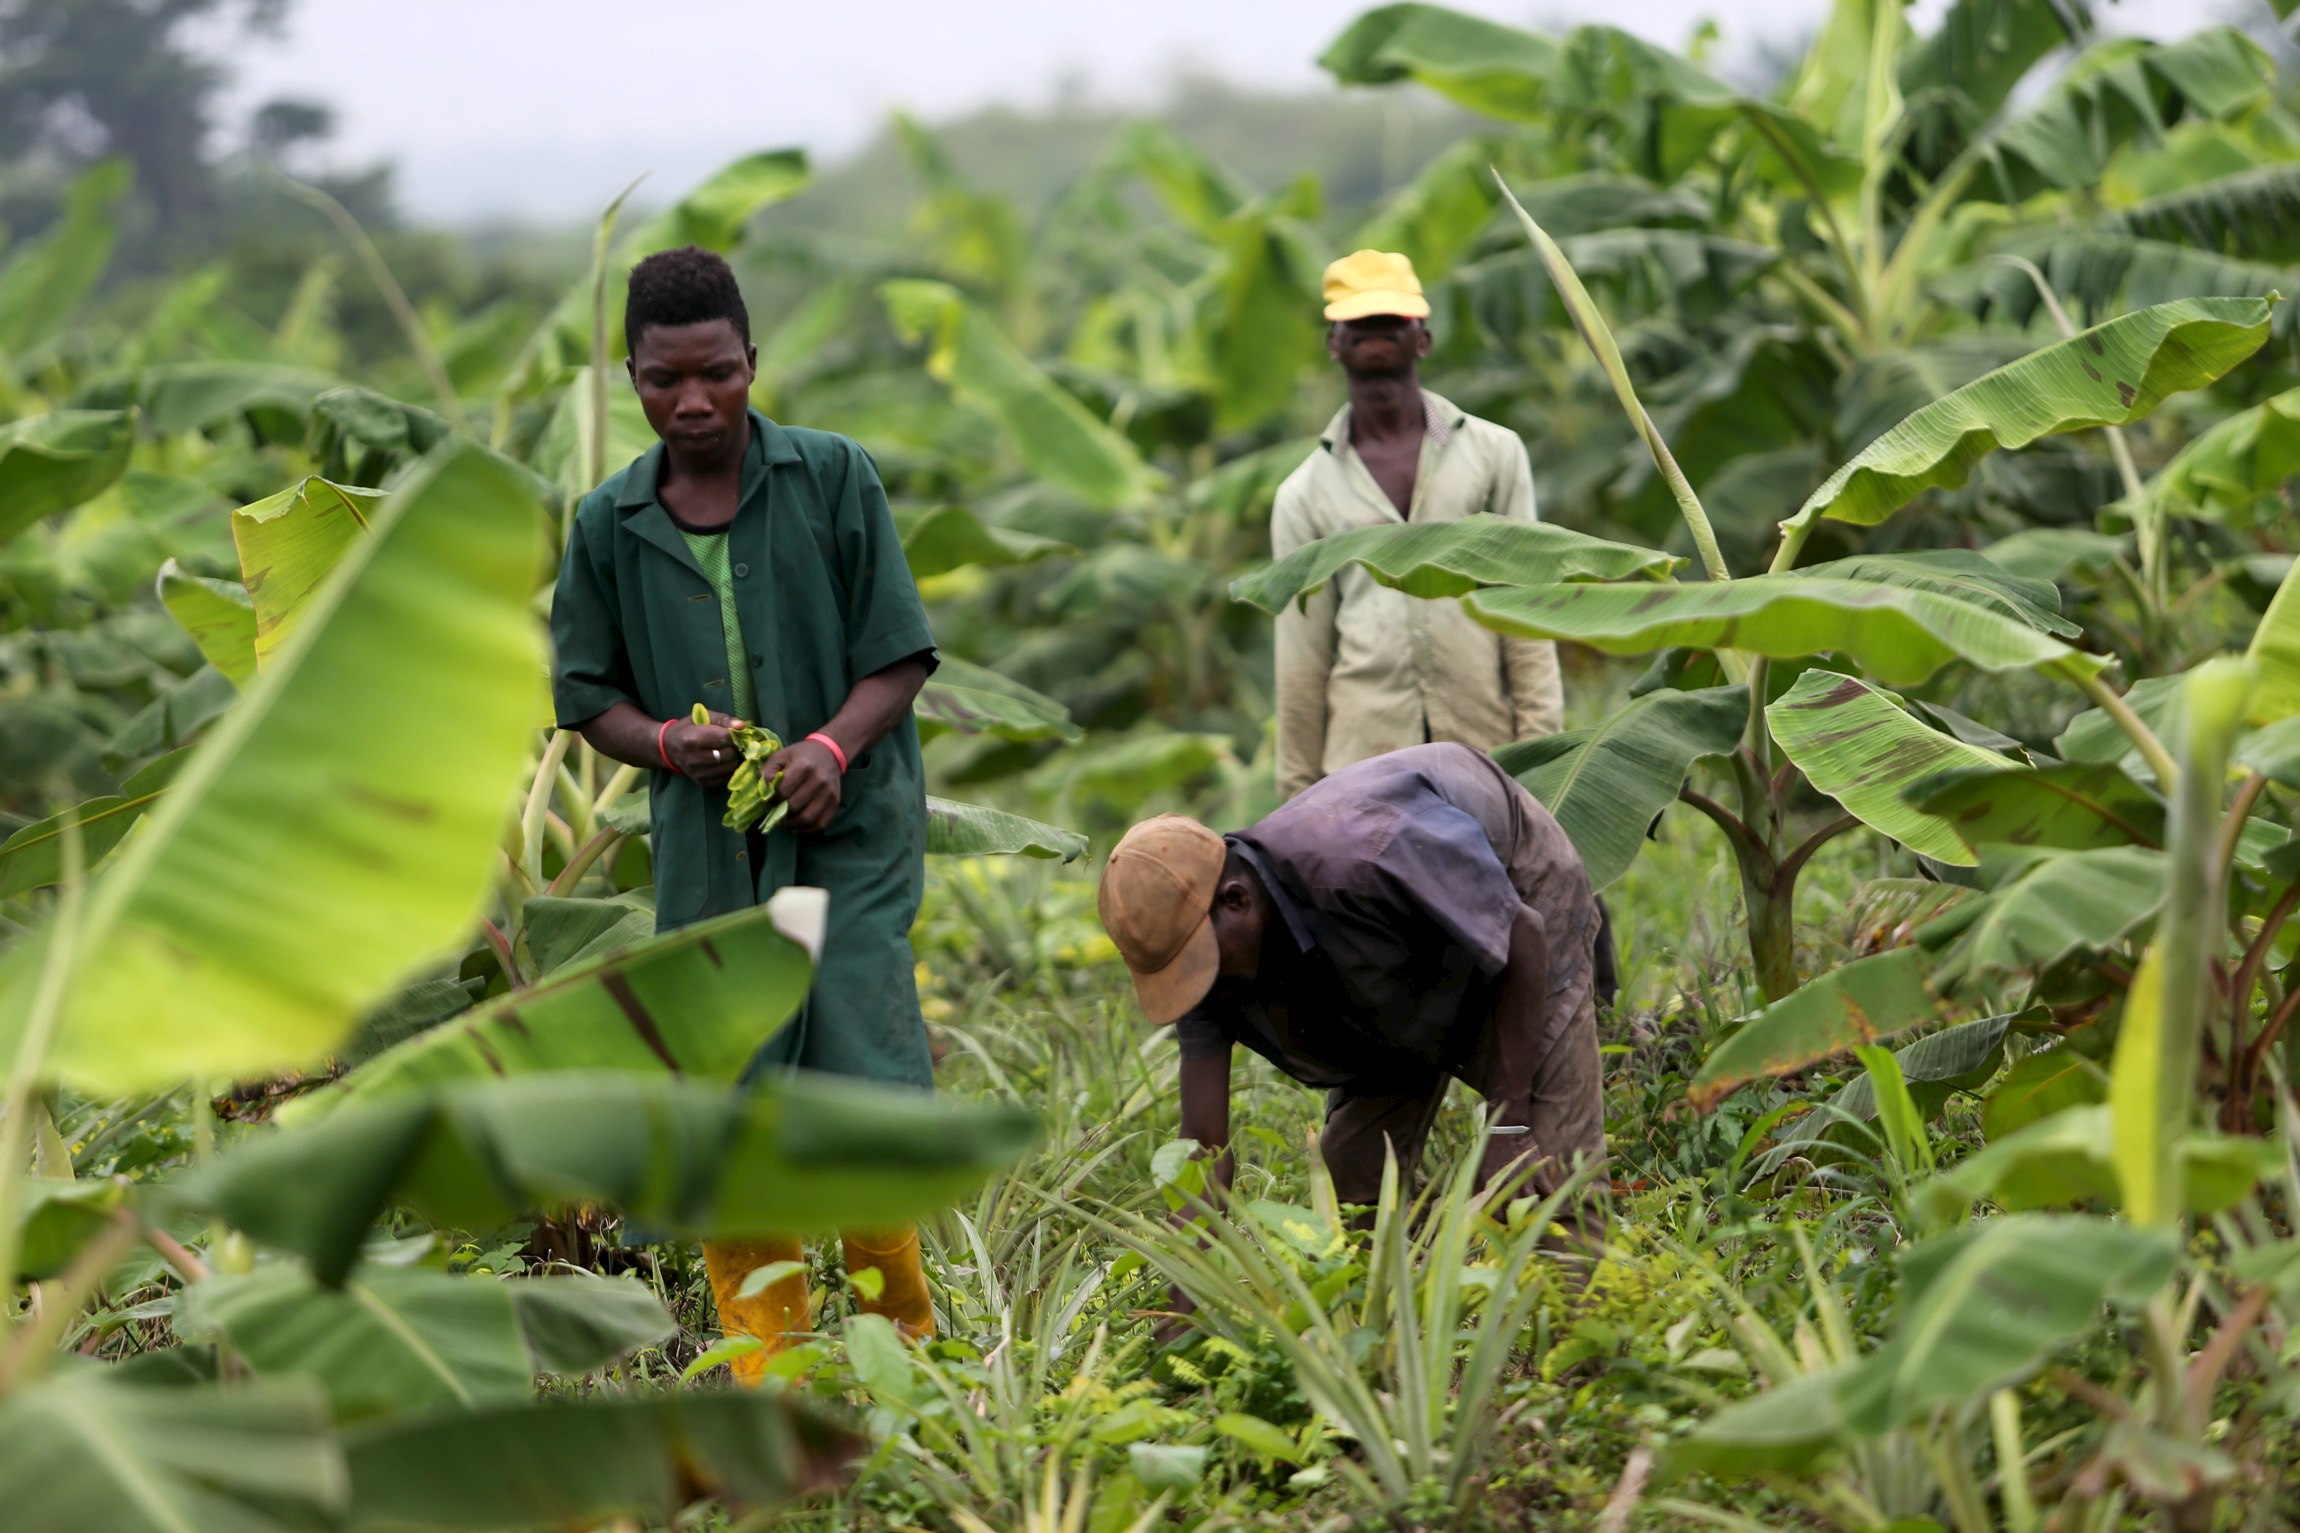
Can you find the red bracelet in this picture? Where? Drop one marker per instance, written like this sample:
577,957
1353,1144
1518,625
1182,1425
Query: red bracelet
832,746
666,755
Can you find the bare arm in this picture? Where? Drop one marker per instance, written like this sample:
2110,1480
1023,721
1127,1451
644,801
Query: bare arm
1205,1118
624,733
1521,1003
811,774
1206,1112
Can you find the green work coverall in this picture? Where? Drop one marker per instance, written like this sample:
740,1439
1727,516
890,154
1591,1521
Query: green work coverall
825,598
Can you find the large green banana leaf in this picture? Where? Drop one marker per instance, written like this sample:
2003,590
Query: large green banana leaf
33,858
716,212
48,277
2070,1157
218,616
976,830
1934,1068
1263,327
600,1462
1862,1002
51,463
1897,633
1059,440
2274,655
2111,375
1985,1306
952,537
1980,1309
289,543
797,1152
1963,574
1606,782
330,835
1438,559
2042,908
395,1339
973,700
2235,473
2039,1085
200,396
86,1452
1678,109
2073,805
1859,746
2160,702
696,1002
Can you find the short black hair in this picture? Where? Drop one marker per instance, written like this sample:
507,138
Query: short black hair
686,286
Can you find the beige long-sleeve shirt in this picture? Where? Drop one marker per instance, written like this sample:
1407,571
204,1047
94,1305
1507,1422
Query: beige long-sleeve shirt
1362,669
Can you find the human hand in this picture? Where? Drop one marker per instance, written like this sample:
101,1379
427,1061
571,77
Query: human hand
705,752
809,781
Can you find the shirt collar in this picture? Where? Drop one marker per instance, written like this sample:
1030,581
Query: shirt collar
1299,923
1441,418
769,444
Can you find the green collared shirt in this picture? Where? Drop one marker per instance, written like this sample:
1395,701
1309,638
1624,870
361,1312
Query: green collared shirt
822,598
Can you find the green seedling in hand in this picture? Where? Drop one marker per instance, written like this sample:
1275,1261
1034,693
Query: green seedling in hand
750,794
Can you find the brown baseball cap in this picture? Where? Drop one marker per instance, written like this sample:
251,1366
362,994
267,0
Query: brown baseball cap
1157,903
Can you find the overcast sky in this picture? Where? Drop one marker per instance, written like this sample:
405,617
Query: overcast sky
543,108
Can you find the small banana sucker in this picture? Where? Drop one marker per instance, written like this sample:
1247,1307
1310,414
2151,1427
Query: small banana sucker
748,793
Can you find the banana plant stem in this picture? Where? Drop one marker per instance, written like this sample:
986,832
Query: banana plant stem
595,454
2120,713
394,296
31,1050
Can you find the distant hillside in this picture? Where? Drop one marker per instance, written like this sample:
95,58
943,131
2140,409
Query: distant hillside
1359,144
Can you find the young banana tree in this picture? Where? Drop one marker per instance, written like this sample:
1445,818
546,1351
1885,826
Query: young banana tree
1897,618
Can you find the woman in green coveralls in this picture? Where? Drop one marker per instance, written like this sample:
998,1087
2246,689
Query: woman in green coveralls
755,568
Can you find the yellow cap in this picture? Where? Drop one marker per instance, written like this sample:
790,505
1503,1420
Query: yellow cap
1157,903
1374,282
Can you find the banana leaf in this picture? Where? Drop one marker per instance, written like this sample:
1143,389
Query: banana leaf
2071,805
1898,634
1855,744
51,463
290,542
314,851
84,1450
973,700
1606,782
218,616
1058,439
1865,1001
976,830
794,1153
697,1003
566,1463
33,857
1439,559
397,1339
2111,375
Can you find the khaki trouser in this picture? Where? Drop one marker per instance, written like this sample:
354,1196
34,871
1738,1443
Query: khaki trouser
778,1314
1565,1111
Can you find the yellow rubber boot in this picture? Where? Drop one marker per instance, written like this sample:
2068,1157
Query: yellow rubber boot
776,1315
903,1296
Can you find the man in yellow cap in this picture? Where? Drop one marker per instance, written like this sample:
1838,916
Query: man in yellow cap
1411,919
1363,669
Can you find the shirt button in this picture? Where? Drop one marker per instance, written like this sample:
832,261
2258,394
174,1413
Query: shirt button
741,570
758,660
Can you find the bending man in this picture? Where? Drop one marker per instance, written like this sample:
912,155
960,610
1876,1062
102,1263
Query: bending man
1414,918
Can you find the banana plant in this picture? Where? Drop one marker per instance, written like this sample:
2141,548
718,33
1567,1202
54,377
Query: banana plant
1897,618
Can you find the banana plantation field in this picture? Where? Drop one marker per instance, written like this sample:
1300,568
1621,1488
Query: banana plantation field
1914,444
